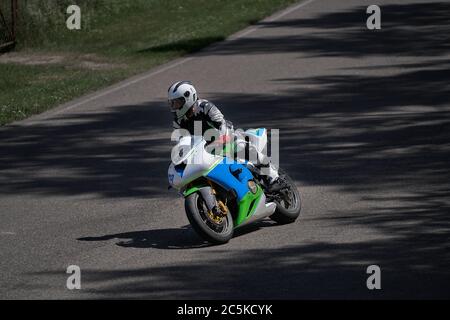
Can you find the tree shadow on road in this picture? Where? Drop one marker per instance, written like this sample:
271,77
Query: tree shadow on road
317,270
183,46
121,152
391,121
363,130
420,29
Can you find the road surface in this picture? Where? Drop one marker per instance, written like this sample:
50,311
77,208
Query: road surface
364,125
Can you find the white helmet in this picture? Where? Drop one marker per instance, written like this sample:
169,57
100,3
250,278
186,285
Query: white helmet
182,96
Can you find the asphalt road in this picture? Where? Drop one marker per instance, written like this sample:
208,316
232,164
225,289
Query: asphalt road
364,125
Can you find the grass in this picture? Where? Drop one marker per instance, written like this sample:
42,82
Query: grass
128,36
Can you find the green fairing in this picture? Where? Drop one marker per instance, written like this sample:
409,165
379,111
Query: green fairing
247,206
191,190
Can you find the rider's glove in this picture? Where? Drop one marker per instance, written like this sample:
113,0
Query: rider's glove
223,139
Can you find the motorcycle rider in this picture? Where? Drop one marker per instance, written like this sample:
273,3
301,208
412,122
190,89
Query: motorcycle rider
187,108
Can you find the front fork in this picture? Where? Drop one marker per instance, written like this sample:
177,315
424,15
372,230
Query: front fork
216,209
208,195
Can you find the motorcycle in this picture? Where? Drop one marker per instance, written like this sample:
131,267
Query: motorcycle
222,194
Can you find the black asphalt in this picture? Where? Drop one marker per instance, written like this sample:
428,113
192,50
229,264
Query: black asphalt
364,126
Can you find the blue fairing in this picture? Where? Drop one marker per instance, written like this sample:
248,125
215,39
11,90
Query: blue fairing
223,175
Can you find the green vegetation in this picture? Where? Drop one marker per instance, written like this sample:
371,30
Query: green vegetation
118,39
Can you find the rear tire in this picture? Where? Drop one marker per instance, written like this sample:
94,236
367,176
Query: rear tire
203,226
283,214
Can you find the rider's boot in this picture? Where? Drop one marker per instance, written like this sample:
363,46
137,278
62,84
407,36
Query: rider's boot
274,182
270,172
269,175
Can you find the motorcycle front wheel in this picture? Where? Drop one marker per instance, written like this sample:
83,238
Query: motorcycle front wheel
211,229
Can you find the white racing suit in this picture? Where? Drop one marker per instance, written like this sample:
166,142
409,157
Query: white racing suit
209,116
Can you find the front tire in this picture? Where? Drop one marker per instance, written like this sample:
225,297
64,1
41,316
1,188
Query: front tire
206,228
288,209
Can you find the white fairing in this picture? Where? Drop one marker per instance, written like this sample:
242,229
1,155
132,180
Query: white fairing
258,138
190,151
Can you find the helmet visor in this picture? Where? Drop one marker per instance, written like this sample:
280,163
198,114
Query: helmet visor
176,104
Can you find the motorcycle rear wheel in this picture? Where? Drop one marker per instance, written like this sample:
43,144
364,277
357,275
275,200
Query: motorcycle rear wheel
289,209
203,225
